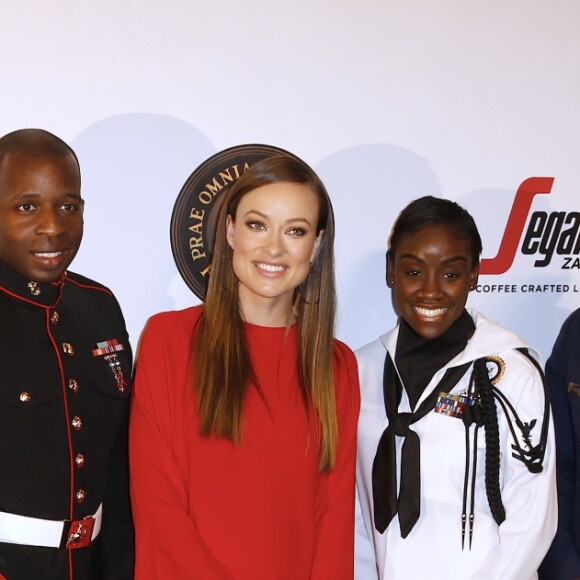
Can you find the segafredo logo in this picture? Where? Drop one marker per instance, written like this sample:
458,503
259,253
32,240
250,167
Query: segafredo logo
550,236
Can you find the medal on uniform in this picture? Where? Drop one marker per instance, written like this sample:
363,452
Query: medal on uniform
108,349
452,405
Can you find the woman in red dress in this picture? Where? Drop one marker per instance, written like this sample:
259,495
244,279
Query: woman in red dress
244,416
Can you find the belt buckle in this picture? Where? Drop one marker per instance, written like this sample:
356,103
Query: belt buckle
80,533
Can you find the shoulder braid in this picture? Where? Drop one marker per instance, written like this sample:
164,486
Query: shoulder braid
484,392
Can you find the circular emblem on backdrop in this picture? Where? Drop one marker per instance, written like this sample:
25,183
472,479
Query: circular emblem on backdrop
195,210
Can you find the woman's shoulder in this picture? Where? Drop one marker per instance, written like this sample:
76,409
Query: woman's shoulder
371,362
371,356
345,364
343,351
172,323
346,382
373,350
493,340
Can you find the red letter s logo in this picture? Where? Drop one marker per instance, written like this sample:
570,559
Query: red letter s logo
515,224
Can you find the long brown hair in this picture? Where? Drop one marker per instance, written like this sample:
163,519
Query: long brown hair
223,370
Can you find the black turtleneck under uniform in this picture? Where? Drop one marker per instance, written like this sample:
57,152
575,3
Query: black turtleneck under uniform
418,358
65,367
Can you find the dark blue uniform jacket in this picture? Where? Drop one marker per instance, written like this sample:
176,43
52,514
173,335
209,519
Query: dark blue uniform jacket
563,372
63,422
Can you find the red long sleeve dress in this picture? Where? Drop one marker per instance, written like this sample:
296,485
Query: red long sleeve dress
207,508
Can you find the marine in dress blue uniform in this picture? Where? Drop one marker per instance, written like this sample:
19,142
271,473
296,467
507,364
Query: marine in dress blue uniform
65,364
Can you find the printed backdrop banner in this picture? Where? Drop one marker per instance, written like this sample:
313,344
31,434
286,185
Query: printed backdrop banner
388,101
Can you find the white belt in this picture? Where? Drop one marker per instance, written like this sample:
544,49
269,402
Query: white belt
70,534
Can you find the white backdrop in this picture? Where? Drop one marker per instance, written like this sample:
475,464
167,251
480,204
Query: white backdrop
387,100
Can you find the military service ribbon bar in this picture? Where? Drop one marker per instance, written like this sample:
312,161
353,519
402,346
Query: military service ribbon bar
452,405
107,347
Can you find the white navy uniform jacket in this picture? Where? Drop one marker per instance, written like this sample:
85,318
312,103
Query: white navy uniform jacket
512,551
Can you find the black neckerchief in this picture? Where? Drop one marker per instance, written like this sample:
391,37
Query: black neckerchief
384,472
